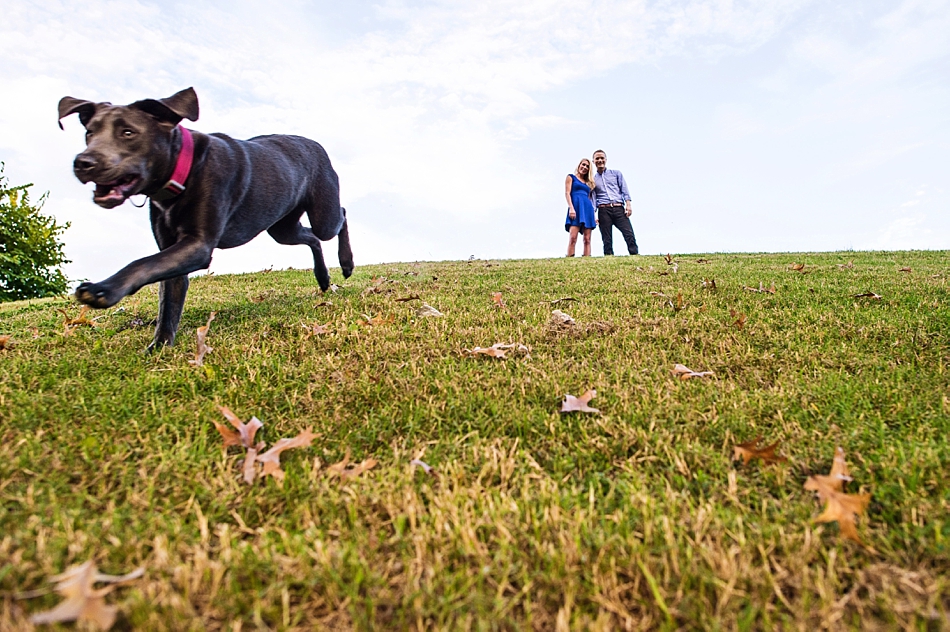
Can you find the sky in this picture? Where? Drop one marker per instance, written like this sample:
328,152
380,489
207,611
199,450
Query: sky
788,125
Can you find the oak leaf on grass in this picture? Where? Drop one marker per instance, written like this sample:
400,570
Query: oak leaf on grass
428,310
345,470
83,603
560,319
316,329
869,294
762,289
839,507
797,267
498,350
683,372
497,300
72,324
751,450
406,299
573,404
202,348
270,460
376,321
5,342
740,318
245,431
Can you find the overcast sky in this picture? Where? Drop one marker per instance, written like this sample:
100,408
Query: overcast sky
740,126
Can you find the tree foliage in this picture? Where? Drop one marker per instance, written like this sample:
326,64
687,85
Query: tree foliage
30,252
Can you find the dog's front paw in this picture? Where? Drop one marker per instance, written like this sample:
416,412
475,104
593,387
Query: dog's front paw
96,295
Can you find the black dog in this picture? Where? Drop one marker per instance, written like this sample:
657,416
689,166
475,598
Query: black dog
207,191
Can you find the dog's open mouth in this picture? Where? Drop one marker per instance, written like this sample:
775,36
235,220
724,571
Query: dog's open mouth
111,194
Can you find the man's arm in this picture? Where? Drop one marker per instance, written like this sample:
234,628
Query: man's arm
625,193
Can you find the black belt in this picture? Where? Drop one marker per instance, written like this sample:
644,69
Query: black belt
609,205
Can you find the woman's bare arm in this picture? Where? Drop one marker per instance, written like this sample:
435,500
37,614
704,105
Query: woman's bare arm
567,194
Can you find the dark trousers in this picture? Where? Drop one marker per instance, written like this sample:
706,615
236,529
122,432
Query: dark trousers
608,218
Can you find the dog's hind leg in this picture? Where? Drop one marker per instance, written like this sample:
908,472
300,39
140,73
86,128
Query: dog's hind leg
171,302
289,231
345,252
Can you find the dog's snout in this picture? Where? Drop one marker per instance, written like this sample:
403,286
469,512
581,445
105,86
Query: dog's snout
84,163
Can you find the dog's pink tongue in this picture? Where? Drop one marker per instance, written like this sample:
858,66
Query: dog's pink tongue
106,192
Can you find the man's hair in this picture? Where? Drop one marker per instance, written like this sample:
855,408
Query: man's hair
599,151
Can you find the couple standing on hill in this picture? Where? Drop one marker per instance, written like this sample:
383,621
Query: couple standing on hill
607,190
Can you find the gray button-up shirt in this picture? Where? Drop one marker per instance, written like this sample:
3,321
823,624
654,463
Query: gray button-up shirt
610,188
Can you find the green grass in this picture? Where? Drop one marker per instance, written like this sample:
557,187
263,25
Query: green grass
634,519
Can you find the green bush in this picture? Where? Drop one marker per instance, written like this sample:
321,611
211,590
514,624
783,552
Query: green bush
30,253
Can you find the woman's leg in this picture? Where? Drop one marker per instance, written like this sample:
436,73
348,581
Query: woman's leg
572,240
587,242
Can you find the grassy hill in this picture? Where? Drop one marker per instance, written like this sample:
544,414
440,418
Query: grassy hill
636,518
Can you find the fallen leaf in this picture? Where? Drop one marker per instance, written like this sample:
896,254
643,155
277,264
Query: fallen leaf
202,349
658,294
498,301
334,287
869,294
702,261
324,304
428,469
344,470
679,304
428,310
498,350
250,465
375,321
762,289
846,266
839,507
411,297
740,318
83,603
562,300
750,450
905,269
709,284
559,319
797,267
686,373
316,329
669,259
245,431
35,331
376,286
5,342
71,324
573,404
270,460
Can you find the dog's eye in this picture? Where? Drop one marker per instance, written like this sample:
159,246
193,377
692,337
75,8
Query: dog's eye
128,133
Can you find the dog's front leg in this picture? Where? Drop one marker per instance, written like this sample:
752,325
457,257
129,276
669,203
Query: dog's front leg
188,255
171,302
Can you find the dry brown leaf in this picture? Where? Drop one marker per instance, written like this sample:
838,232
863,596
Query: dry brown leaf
669,259
376,321
71,324
685,373
658,294
839,507
316,329
376,286
573,404
869,294
709,284
740,318
344,470
797,267
245,431
405,299
498,350
702,261
270,460
560,319
562,300
83,603
202,349
5,342
762,289
428,310
846,266
905,269
497,300
750,450
678,304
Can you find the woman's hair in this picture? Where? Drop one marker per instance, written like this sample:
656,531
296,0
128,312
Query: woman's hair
589,178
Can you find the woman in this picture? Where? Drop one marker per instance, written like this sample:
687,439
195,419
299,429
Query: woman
578,189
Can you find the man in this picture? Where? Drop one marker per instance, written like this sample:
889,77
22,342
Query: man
612,199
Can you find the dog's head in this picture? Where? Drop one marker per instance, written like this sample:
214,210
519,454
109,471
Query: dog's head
128,147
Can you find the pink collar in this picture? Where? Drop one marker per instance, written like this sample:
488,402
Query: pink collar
176,185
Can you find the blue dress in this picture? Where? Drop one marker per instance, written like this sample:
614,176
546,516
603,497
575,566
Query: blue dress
580,197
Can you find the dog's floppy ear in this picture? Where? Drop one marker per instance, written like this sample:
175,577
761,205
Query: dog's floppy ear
71,105
181,105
